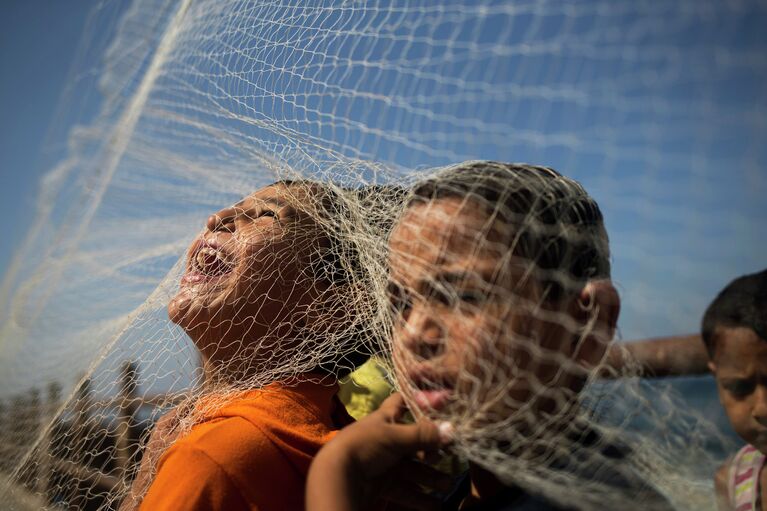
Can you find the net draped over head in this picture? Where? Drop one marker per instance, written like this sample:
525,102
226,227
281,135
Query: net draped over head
487,264
276,288
177,109
267,287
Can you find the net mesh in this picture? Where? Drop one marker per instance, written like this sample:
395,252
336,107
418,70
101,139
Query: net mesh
177,109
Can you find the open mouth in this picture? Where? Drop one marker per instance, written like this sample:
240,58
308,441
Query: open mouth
432,391
207,262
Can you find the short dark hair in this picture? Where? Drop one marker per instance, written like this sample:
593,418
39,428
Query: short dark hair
743,303
562,230
340,262
344,262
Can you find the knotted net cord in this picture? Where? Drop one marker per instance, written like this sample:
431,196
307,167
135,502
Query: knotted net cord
201,103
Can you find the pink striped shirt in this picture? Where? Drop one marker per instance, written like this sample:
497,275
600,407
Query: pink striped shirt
743,479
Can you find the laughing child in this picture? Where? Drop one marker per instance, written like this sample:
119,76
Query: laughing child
265,299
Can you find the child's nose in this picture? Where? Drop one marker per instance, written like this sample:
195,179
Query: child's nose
424,334
222,221
759,411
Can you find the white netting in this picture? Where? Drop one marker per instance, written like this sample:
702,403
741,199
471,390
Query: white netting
658,109
502,323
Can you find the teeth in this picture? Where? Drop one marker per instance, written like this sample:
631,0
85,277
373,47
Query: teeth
201,260
204,253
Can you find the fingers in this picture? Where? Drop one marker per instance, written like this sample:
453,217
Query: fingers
421,436
393,407
407,439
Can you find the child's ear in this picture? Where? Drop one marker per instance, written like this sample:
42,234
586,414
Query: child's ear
596,309
712,367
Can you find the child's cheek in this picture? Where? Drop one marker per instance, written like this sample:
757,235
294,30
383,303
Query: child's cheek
464,341
738,413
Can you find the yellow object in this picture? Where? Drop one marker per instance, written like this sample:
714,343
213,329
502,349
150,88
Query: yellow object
364,389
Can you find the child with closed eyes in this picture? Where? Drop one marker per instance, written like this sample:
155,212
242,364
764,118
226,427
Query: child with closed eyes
265,297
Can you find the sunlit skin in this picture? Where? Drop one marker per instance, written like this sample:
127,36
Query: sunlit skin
246,288
463,303
448,314
740,368
475,342
250,300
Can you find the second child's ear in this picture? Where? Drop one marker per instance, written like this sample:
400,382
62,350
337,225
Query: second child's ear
596,310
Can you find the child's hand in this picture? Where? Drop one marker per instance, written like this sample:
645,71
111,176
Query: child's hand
373,458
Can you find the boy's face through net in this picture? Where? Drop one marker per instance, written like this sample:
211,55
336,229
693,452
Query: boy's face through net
740,361
248,289
474,341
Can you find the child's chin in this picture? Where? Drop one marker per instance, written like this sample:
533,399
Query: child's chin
178,307
760,442
184,310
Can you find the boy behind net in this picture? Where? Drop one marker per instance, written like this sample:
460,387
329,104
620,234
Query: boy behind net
502,311
735,335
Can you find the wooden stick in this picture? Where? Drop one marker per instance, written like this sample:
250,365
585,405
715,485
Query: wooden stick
124,443
44,471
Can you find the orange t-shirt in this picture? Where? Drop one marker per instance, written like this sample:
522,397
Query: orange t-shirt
252,454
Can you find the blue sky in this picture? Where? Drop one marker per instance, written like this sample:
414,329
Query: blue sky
672,224
38,40
669,140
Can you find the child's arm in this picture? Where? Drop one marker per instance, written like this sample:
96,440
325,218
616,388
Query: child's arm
681,355
372,458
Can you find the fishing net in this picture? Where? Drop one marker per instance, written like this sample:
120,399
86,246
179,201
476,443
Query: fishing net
501,318
181,116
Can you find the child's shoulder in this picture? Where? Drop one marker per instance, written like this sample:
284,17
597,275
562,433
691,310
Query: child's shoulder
746,461
737,480
221,456
258,426
225,439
